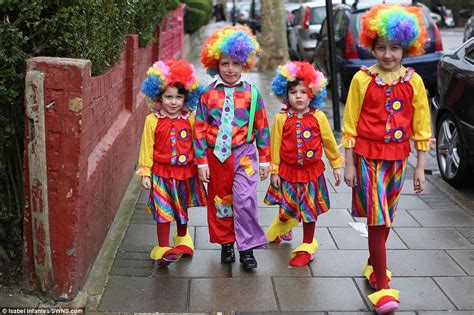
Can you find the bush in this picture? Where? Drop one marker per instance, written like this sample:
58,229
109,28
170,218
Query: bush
194,19
196,14
89,29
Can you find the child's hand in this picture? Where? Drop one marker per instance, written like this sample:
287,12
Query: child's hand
204,174
275,179
263,171
419,180
350,175
337,175
146,182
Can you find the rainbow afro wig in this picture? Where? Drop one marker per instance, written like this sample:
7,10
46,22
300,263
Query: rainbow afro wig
237,42
398,24
168,73
314,81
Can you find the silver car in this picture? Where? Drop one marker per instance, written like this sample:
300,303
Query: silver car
307,23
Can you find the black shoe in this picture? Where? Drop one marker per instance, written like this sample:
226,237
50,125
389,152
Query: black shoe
247,260
227,253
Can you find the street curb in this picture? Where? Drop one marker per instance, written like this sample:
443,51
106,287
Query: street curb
91,294
465,203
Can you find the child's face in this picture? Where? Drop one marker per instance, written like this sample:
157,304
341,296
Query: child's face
229,69
172,102
388,55
298,98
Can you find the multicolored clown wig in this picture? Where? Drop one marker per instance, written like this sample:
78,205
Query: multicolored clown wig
314,81
237,42
168,73
398,24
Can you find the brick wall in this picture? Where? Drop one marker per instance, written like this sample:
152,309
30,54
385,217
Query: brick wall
93,133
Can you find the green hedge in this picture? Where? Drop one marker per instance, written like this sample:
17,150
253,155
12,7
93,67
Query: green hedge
89,29
196,14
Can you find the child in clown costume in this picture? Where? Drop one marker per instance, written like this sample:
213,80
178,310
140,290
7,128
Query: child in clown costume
229,119
166,161
300,133
386,107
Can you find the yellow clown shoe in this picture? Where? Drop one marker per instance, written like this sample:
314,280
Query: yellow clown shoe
303,254
165,255
184,243
385,300
279,227
370,276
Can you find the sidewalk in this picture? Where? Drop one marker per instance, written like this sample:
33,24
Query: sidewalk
430,253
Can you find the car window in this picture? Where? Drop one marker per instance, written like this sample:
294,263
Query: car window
297,17
470,54
338,23
317,15
324,29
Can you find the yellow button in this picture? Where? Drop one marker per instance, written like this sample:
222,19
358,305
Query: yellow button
182,158
307,134
398,134
184,134
396,105
309,154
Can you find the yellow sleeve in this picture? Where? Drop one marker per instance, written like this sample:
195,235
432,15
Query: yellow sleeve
329,142
275,141
145,159
191,119
421,123
355,98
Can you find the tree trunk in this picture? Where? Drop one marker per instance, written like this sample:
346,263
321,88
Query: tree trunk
273,36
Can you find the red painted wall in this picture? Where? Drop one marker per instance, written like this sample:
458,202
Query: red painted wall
92,137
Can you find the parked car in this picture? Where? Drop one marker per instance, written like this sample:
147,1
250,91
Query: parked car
453,115
307,23
350,56
469,26
242,14
291,10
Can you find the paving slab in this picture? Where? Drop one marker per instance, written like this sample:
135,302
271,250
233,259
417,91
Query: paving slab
349,238
339,263
341,200
197,216
224,294
203,264
465,259
143,234
271,263
421,294
450,312
467,232
419,263
412,202
408,188
459,290
404,219
140,294
321,234
335,217
441,218
433,238
318,294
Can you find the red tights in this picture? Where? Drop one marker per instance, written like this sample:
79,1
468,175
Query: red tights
378,256
163,232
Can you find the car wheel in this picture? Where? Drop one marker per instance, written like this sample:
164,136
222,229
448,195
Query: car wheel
450,152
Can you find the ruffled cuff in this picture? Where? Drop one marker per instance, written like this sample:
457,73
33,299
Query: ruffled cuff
423,145
143,171
274,169
337,163
348,141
